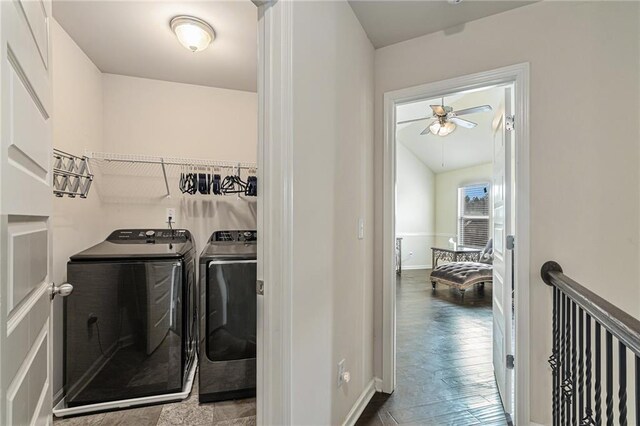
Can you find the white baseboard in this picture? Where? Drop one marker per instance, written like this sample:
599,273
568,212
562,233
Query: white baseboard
360,405
534,424
411,267
378,384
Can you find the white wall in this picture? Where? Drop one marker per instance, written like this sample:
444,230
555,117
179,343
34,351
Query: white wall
447,185
77,125
332,187
153,117
585,184
415,209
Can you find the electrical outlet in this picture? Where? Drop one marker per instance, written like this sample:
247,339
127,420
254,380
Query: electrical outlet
341,373
171,215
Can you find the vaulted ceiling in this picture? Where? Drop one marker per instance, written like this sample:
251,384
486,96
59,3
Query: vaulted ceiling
460,149
133,38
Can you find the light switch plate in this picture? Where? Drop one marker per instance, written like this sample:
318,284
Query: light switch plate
360,228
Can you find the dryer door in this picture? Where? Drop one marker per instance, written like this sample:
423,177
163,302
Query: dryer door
231,310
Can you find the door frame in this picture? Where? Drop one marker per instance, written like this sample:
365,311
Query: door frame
275,211
518,75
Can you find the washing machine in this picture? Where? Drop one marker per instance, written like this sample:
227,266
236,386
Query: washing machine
227,346
130,323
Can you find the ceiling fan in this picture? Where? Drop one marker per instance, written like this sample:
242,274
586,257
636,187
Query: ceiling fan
446,119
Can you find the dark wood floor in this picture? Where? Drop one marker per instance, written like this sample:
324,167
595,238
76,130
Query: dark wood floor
443,360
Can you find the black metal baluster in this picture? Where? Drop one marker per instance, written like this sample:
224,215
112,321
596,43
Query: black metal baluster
580,365
567,357
561,358
609,374
598,389
553,360
637,390
622,392
588,418
574,367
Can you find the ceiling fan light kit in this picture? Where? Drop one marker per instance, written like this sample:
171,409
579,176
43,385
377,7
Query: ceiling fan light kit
441,129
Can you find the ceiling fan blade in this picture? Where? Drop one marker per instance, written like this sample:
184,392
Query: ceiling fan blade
413,120
463,123
473,110
438,110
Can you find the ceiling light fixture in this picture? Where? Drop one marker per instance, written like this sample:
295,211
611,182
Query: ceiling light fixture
193,33
442,129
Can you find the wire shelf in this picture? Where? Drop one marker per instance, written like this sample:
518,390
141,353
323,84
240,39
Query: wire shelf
150,179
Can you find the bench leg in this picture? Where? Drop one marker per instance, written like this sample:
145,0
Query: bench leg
433,285
462,291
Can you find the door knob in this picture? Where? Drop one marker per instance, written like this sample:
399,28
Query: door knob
62,290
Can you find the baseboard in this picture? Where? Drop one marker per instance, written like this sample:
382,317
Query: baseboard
411,267
361,403
378,384
535,424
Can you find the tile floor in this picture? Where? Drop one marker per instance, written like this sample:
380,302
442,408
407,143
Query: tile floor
444,368
188,413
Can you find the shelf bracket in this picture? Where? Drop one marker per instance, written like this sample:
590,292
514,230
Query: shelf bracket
166,181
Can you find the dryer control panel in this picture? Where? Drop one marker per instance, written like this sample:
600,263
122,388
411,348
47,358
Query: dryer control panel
235,236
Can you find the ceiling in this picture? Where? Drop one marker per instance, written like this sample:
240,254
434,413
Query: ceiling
387,22
133,38
462,148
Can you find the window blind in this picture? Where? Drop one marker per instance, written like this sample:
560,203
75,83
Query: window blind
473,215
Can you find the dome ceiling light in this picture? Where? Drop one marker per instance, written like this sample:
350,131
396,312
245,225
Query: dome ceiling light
193,33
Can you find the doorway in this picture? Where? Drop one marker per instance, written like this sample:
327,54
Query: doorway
512,382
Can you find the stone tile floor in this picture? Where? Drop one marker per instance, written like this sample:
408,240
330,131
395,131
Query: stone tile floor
444,368
188,413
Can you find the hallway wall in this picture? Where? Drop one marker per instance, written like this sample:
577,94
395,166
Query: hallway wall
585,185
332,188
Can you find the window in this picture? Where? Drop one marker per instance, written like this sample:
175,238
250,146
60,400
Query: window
473,215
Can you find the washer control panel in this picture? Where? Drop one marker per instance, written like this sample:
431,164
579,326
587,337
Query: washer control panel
149,235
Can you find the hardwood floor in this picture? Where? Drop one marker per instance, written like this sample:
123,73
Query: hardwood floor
443,359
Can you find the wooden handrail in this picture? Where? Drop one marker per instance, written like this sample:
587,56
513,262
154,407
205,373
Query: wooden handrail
619,323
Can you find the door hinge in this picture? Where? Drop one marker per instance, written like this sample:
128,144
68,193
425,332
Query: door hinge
510,122
511,361
511,242
260,287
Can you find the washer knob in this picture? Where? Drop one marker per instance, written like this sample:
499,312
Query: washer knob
150,233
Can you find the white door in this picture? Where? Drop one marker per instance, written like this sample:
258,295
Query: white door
25,210
502,259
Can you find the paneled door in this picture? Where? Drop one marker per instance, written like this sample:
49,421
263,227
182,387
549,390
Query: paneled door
502,221
25,210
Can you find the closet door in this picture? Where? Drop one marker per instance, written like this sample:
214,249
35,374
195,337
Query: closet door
25,209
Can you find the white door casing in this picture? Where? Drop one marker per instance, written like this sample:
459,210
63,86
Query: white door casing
518,75
275,205
25,210
502,265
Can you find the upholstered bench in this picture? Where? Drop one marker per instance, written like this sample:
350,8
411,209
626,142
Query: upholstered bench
462,275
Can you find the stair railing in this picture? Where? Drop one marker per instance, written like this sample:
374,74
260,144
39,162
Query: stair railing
579,320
